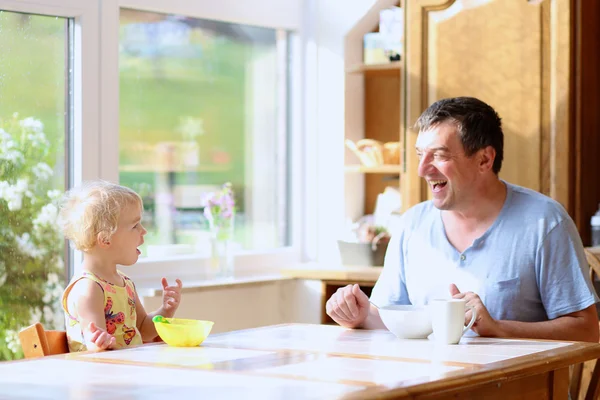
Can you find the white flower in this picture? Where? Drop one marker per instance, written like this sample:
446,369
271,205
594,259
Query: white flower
22,185
13,194
47,297
54,194
48,313
52,278
42,171
12,340
60,265
26,246
15,202
36,315
12,155
57,292
4,136
38,139
31,123
46,217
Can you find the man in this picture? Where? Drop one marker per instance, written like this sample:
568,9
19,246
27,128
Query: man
512,253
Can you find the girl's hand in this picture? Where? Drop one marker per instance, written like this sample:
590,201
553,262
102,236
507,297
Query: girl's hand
171,297
100,338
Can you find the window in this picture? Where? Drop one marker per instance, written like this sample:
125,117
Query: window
34,126
202,103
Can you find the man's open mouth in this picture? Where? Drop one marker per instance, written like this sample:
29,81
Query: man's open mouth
437,185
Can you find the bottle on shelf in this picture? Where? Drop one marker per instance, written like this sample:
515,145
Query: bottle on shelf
595,222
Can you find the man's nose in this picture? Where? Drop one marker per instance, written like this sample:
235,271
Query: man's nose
424,165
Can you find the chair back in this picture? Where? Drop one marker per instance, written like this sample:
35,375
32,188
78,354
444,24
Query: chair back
590,371
38,342
594,263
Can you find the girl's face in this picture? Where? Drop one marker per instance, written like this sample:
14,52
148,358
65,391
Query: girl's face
129,236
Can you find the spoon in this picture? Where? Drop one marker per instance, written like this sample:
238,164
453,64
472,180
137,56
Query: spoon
160,318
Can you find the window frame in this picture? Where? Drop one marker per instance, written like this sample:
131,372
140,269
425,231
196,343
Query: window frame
279,15
83,162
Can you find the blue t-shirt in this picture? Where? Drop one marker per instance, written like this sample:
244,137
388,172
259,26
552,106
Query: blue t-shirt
528,266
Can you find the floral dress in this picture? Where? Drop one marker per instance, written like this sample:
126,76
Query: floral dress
119,313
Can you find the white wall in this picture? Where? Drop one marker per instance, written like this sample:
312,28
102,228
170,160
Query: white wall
272,302
334,18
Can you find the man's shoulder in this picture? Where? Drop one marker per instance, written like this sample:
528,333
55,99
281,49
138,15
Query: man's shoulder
419,211
530,202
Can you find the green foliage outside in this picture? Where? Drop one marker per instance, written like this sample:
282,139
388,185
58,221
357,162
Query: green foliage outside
31,249
32,90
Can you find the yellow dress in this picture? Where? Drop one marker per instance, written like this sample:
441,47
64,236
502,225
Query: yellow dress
119,313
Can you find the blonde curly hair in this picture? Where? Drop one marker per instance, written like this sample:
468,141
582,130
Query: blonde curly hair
93,209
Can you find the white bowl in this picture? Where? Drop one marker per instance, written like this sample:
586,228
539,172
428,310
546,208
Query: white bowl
407,322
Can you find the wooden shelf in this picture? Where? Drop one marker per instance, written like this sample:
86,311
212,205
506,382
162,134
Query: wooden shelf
382,169
391,68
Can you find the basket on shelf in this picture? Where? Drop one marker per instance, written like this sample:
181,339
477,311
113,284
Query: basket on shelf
368,151
373,153
391,153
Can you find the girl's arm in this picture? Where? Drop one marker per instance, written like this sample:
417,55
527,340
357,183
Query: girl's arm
171,300
86,302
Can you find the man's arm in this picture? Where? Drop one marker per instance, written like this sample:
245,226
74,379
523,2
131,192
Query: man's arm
578,326
373,320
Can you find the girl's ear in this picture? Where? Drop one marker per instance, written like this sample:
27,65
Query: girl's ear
102,240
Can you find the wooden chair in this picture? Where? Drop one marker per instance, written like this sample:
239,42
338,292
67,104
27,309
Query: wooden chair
38,342
590,371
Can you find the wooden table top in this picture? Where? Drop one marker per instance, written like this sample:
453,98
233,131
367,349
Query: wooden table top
288,361
333,272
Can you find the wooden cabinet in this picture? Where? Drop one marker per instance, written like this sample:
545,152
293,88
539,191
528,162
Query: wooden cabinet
512,54
536,62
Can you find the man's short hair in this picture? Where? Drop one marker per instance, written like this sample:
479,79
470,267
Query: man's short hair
477,123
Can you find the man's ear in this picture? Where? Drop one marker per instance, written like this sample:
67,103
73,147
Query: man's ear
486,158
102,240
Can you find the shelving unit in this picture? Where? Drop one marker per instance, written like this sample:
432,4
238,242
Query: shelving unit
381,169
372,110
391,68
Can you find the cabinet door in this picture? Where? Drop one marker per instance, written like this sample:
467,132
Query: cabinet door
512,54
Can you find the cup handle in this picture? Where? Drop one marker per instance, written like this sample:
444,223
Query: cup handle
473,318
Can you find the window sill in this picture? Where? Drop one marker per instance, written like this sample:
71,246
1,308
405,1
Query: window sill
194,270
254,276
200,285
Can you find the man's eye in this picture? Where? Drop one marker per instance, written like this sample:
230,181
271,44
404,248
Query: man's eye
419,154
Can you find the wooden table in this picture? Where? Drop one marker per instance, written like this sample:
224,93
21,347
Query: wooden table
306,361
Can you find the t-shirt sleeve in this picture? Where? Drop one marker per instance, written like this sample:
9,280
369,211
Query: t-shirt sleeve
391,286
562,271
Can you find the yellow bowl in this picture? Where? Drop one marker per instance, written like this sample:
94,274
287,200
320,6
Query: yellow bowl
183,332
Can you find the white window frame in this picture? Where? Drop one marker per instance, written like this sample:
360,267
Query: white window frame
277,14
85,79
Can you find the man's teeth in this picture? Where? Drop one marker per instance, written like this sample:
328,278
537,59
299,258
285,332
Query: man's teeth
437,182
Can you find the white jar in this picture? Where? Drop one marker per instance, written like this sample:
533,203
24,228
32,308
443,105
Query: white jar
596,228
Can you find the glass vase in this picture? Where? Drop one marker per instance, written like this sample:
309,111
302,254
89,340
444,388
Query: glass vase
222,257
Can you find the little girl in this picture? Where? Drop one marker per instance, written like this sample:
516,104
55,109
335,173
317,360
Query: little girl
102,308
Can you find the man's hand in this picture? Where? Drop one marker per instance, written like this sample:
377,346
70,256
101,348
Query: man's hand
348,306
171,297
101,339
484,324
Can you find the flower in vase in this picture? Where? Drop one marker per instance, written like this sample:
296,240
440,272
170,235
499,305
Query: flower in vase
219,210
